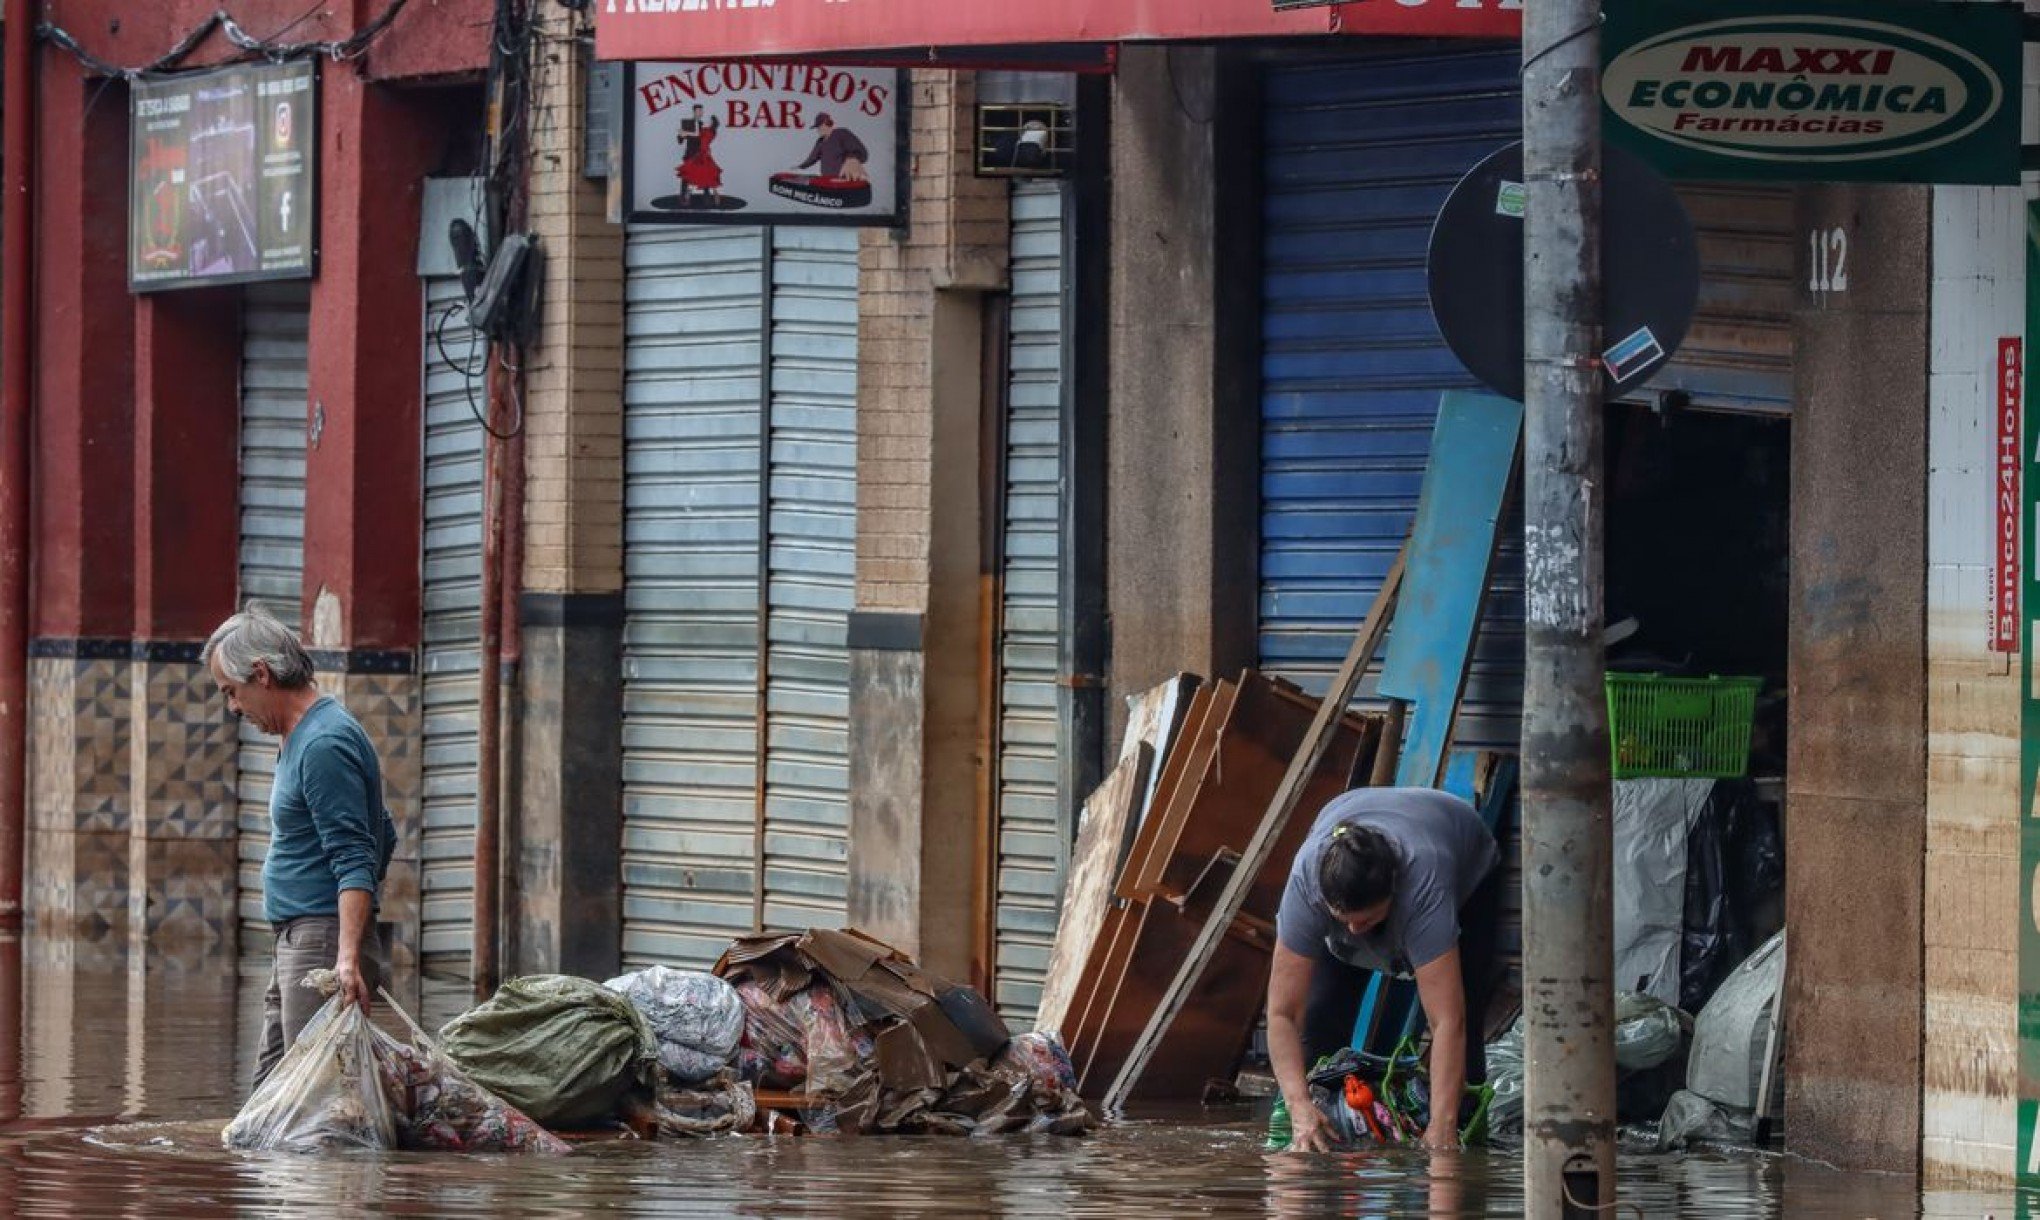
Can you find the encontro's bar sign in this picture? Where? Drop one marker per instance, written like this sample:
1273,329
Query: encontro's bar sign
1889,92
779,143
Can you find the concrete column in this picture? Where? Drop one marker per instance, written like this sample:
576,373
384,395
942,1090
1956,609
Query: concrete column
1182,514
914,636
79,798
566,830
1856,771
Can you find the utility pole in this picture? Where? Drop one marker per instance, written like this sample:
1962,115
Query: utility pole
1568,840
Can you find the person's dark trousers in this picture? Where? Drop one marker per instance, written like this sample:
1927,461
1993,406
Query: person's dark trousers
1336,988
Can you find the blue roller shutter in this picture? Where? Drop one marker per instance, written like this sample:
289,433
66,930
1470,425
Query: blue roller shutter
1359,156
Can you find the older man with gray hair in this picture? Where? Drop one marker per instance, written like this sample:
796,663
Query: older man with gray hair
330,836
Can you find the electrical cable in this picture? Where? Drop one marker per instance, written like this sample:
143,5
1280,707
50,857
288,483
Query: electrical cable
350,47
1575,36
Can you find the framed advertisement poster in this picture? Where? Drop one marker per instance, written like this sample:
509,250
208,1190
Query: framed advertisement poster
756,143
222,176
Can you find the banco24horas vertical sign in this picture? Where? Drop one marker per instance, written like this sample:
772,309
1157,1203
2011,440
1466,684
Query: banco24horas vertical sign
758,143
1888,91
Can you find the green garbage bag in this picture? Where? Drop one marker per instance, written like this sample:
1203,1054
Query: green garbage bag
568,1052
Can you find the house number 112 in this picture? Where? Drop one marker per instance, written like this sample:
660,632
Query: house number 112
1830,260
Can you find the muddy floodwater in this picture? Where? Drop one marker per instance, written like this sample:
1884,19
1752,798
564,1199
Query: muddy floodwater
116,1075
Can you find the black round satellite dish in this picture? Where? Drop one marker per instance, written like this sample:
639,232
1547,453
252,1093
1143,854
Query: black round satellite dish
1650,271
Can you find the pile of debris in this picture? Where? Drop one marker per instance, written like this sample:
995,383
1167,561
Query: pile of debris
861,1040
818,1031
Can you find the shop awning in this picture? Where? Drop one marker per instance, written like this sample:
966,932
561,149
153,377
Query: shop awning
736,29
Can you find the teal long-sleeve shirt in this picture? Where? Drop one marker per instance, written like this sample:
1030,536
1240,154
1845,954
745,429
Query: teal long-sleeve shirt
328,829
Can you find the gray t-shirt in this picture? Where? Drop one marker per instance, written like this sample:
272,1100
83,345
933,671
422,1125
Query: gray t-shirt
1447,851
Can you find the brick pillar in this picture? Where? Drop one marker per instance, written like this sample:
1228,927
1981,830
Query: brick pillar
567,826
363,510
78,668
914,633
182,846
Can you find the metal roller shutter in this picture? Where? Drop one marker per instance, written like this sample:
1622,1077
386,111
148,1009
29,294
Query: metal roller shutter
455,386
1031,805
811,556
1737,355
693,373
275,376
1360,155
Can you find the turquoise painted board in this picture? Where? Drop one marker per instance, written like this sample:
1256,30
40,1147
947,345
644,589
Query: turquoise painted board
1452,546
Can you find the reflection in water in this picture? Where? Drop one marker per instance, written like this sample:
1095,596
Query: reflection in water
157,1053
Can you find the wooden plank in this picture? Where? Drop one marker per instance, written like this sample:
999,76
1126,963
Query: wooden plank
1472,469
1268,722
1169,776
1302,767
1153,720
1102,837
1143,876
1101,984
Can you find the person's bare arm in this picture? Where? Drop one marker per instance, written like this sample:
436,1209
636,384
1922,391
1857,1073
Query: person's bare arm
1288,992
1444,999
354,916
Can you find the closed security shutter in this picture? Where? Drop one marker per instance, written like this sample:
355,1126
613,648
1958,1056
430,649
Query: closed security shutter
693,375
811,555
1737,354
455,389
1032,809
1360,155
275,320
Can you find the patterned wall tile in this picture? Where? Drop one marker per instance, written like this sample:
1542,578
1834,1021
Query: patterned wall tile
183,893
52,743
184,750
78,883
100,699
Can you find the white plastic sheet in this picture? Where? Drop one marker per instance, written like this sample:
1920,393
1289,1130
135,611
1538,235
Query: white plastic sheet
1652,817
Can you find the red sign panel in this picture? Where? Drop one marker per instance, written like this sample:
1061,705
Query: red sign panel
737,29
2005,542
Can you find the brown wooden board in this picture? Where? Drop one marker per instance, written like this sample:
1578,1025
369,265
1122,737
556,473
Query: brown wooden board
1164,826
1167,773
1249,761
1291,791
1087,898
1100,983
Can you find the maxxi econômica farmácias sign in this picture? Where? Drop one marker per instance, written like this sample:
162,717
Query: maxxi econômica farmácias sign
1880,92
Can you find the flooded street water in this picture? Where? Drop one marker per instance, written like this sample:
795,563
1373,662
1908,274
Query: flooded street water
116,1076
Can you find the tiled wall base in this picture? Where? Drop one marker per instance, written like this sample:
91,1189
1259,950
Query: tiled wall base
181,878
79,795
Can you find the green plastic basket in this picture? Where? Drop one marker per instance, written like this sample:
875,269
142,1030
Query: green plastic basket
1680,727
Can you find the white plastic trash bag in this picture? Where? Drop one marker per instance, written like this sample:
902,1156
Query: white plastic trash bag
326,1093
696,1017
1648,1031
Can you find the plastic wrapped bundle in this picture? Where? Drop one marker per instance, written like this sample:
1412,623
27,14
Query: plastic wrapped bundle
347,1084
774,1047
566,1051
697,1018
328,1092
